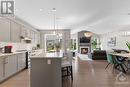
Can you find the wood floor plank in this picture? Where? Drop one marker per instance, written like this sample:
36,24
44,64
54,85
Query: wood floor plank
86,74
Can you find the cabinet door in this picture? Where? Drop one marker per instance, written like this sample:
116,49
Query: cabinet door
36,38
21,61
23,31
1,69
10,65
32,36
28,33
15,32
4,30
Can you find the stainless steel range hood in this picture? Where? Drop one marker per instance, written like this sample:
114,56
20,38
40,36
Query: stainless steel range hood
27,38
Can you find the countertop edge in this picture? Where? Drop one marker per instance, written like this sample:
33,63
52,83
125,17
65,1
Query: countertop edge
10,54
44,57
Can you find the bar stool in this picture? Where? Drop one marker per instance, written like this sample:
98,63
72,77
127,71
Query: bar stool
67,70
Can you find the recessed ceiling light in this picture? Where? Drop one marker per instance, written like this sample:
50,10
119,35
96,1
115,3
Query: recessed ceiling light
41,9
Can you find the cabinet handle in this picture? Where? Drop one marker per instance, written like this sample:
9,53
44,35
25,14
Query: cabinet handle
5,62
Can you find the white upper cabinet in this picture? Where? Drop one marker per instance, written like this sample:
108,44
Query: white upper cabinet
12,31
4,30
37,38
32,36
15,32
28,33
23,31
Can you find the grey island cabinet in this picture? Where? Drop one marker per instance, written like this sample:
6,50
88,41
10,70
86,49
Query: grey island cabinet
46,70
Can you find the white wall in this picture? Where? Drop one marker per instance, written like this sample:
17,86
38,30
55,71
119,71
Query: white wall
120,40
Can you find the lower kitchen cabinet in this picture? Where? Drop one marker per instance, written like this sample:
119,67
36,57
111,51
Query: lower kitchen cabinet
21,61
1,69
10,65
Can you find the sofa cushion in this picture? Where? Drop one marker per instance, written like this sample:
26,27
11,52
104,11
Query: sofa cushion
99,55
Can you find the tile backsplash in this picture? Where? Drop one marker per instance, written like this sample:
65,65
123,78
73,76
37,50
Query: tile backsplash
18,46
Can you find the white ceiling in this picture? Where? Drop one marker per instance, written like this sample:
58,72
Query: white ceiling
98,16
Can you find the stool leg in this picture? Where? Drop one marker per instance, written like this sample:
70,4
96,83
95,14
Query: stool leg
107,65
67,72
71,69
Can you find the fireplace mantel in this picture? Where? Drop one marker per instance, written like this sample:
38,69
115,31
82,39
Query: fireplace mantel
85,44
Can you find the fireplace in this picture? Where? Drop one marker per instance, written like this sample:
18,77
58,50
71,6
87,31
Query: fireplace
84,50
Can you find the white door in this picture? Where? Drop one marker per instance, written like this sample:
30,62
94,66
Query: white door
10,65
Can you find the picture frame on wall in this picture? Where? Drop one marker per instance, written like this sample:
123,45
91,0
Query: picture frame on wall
50,45
111,41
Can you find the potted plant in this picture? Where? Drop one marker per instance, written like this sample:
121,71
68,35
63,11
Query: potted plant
38,46
95,45
57,47
128,45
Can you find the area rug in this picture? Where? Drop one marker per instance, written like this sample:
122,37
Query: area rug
84,57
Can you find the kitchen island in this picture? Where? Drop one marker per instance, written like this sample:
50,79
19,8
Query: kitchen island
46,70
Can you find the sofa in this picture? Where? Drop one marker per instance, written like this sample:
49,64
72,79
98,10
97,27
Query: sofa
99,55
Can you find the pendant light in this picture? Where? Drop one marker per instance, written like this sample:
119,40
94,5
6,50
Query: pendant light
88,34
55,30
54,21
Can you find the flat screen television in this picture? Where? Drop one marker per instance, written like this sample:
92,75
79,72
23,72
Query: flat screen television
84,40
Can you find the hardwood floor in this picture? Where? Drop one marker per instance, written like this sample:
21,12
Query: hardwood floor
86,74
22,79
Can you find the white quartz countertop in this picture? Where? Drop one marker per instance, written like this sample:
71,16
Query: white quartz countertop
9,54
49,55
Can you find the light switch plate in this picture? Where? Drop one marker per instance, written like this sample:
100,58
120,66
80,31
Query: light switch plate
48,61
